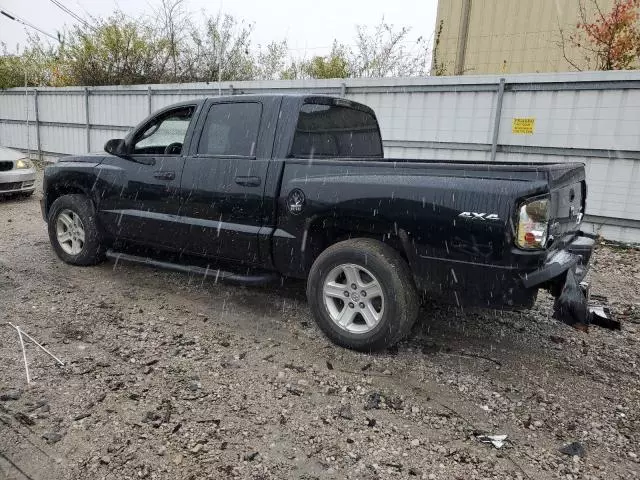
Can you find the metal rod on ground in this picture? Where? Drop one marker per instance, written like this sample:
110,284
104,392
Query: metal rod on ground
24,354
37,344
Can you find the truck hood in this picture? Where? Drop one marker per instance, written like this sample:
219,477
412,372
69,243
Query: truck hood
84,158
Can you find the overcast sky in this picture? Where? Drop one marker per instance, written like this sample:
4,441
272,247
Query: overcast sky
309,27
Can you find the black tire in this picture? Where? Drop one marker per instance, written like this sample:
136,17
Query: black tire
92,251
401,302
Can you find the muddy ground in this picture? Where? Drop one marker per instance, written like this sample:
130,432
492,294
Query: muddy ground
168,376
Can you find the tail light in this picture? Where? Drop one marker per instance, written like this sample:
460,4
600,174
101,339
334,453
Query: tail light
533,224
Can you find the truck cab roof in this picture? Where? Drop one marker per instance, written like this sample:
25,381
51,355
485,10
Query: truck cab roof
300,97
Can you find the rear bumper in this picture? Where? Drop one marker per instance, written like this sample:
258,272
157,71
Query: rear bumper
577,254
510,286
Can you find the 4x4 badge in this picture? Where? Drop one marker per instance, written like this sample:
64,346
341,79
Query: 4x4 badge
479,216
295,201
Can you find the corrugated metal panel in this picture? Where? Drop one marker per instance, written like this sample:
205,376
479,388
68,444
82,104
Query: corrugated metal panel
436,116
163,100
58,139
99,137
14,107
613,184
600,119
619,234
120,110
54,107
15,136
447,118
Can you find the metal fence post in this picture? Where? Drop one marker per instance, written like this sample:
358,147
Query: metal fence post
149,93
496,120
343,89
26,103
37,115
86,117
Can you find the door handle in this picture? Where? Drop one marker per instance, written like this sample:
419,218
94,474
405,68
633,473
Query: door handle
248,181
164,175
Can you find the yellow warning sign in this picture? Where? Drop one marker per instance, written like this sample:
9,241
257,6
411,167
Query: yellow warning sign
523,126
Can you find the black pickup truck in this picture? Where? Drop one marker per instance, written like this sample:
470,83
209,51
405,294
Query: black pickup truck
297,185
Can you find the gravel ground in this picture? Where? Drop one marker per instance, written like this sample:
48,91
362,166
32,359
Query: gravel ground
167,376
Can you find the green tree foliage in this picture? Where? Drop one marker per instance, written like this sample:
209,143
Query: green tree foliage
33,66
334,65
381,51
169,47
116,51
11,69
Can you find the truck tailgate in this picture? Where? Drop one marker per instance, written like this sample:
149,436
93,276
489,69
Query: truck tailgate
568,195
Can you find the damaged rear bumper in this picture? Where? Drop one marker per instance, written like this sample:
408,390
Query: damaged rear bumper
577,254
563,273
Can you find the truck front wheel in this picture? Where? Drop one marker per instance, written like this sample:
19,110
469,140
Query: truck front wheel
362,294
73,230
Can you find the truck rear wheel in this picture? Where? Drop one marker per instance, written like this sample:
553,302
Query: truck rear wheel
73,230
362,294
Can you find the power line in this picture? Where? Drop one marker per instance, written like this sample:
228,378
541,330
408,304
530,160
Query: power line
70,12
15,18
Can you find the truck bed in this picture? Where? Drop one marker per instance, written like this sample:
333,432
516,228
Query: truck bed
423,203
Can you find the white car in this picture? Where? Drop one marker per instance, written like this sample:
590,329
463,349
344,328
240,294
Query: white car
17,173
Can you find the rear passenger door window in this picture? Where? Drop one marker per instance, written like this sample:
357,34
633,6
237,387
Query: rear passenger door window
335,131
231,130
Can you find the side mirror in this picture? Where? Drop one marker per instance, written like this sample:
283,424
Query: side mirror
115,146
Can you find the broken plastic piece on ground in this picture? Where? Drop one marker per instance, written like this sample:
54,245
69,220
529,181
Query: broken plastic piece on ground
601,316
496,440
572,307
573,449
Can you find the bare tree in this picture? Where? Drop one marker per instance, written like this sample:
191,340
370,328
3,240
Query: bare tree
174,21
385,51
220,51
270,61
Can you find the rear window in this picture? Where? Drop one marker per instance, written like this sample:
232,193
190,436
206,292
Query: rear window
335,131
231,129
